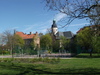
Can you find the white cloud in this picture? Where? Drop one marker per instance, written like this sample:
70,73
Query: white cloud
29,27
39,27
59,16
43,30
42,26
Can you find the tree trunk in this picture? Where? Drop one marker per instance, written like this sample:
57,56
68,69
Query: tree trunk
12,52
90,54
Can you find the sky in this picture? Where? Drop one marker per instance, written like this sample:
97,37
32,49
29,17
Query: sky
32,16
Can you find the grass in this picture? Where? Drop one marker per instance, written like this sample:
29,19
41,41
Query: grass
65,66
87,55
75,66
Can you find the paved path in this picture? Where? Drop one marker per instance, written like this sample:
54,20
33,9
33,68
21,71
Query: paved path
27,56
5,56
20,56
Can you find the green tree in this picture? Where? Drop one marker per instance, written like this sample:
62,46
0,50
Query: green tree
18,41
46,41
67,45
96,44
64,42
84,38
56,46
18,44
32,44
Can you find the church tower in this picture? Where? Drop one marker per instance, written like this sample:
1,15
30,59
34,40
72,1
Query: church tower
54,28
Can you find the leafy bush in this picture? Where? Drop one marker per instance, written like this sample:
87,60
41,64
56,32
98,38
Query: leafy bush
4,52
31,60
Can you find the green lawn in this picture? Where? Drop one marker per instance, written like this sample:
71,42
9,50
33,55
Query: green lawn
87,55
64,66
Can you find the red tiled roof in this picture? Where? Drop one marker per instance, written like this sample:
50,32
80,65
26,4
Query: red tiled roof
25,36
80,30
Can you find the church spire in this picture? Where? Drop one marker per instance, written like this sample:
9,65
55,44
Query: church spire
54,28
54,24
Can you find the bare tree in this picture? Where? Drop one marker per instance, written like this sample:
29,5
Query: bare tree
8,37
49,31
77,9
2,40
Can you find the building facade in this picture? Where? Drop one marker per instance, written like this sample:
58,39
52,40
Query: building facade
29,38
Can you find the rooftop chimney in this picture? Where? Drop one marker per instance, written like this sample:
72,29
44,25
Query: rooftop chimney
30,33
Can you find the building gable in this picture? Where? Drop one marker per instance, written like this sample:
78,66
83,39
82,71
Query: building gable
25,36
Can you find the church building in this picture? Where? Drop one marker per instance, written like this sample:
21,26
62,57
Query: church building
57,34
